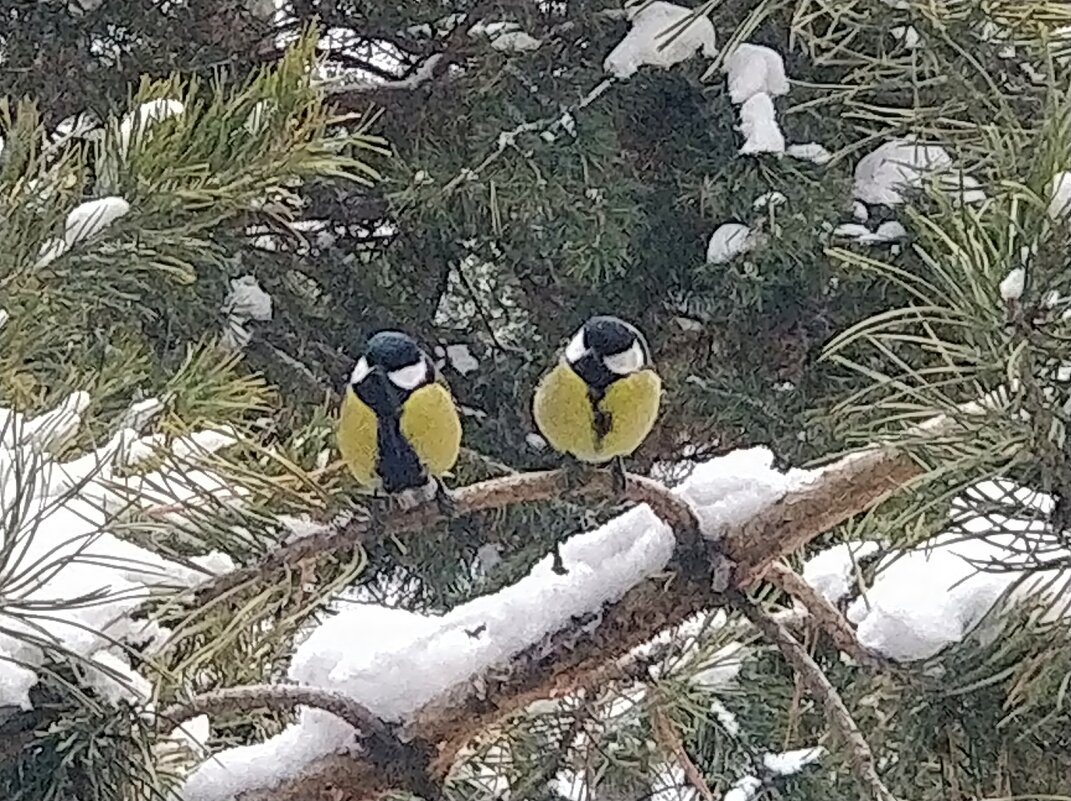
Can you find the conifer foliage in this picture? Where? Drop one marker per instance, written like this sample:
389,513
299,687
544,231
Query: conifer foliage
840,224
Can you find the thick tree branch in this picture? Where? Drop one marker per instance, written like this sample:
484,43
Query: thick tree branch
861,757
568,660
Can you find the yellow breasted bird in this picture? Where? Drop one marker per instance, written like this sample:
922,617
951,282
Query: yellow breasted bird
601,400
398,426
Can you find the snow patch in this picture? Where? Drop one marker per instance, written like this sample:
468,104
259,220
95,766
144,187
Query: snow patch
810,151
882,176
729,241
758,124
754,69
832,571
656,39
89,218
1011,287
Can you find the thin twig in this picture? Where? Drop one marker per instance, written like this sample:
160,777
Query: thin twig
670,739
861,757
823,613
279,698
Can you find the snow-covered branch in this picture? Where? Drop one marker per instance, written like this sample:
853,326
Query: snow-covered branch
458,675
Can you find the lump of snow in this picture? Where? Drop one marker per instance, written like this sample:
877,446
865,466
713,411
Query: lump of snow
860,211
888,231
111,676
4,317
92,217
810,151
140,121
461,358
832,571
791,762
506,36
535,442
906,35
246,301
936,594
1061,195
770,199
656,39
743,789
729,241
754,69
758,124
884,174
963,188
1011,288
405,660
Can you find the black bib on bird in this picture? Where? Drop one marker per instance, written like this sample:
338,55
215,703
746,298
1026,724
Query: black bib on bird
397,464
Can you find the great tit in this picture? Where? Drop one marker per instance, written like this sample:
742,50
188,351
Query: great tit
398,428
601,399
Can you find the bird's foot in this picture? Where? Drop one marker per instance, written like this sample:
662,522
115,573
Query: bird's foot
444,499
557,565
618,476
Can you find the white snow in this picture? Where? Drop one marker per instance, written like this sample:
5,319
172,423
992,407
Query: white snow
648,41
754,69
535,441
907,35
1061,195
768,199
1012,285
92,217
722,668
888,231
860,211
461,359
934,595
729,241
743,789
4,317
139,122
758,124
884,174
245,302
810,151
404,660
506,36
72,581
789,763
257,121
832,571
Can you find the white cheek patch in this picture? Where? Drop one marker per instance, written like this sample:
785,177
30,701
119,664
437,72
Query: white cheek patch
360,372
624,363
575,350
409,378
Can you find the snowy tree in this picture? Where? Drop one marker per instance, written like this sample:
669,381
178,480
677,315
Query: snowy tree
843,228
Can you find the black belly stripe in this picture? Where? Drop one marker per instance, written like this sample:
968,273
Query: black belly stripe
397,463
602,419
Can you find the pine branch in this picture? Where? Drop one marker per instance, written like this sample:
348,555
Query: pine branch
822,612
670,739
406,764
570,660
861,757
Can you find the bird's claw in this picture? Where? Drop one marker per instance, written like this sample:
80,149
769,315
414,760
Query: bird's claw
618,476
444,499
557,565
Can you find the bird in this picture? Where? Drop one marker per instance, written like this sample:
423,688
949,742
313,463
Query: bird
601,400
398,427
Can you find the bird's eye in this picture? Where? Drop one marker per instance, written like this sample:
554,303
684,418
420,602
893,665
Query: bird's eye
626,362
576,348
360,372
409,378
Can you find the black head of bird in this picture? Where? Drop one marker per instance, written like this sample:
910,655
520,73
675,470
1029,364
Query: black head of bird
605,349
393,367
